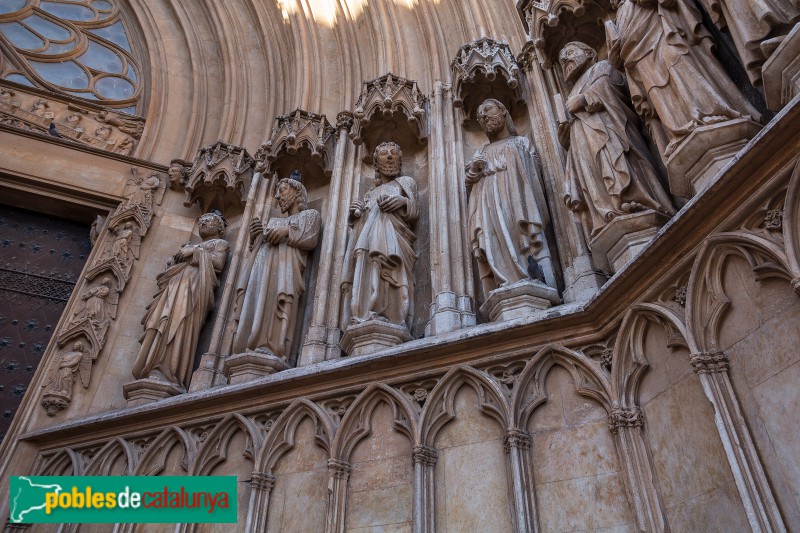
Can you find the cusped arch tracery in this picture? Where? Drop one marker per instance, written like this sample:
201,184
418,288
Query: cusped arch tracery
707,302
440,404
357,422
154,458
281,437
64,462
529,390
630,360
214,448
104,460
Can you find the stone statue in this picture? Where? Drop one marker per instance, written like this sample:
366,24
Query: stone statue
506,204
609,171
275,284
76,360
185,295
381,251
757,27
98,305
672,74
125,246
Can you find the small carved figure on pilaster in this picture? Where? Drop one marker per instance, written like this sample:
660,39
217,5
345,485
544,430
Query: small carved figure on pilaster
178,173
125,246
271,295
609,170
507,211
98,306
58,389
186,294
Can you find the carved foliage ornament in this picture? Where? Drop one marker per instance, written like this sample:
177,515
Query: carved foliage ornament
485,68
217,178
83,336
390,108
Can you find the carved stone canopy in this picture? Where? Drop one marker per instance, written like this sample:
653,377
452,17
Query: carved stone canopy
218,178
551,25
302,141
390,108
483,69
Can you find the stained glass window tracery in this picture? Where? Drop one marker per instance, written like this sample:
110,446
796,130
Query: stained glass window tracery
77,47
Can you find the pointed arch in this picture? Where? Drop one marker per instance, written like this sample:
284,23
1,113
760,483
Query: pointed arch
357,422
101,463
630,362
791,223
214,448
706,302
281,437
154,459
59,463
529,390
440,404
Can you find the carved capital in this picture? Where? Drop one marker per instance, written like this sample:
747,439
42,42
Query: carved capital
339,469
516,438
796,285
262,481
709,362
621,417
344,121
425,455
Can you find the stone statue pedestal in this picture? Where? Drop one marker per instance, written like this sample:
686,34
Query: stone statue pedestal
519,300
149,390
244,367
622,238
781,72
696,161
372,336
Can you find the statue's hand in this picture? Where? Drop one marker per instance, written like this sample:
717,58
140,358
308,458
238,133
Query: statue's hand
390,204
357,209
275,236
563,133
476,166
594,107
256,229
576,103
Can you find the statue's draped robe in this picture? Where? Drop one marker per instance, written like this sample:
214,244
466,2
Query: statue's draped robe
381,257
608,163
505,222
173,320
275,285
671,70
750,23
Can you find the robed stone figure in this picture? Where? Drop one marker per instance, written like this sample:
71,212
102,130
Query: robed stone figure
672,72
271,298
506,204
609,171
381,249
185,296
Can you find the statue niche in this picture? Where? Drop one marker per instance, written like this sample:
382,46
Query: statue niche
380,258
174,318
270,295
611,180
507,215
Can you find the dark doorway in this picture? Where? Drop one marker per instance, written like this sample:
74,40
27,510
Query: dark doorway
41,258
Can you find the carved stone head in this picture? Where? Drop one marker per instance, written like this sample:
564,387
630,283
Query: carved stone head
290,192
493,117
575,58
212,225
388,159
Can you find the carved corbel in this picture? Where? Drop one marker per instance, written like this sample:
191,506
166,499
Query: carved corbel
390,108
218,178
302,141
483,69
